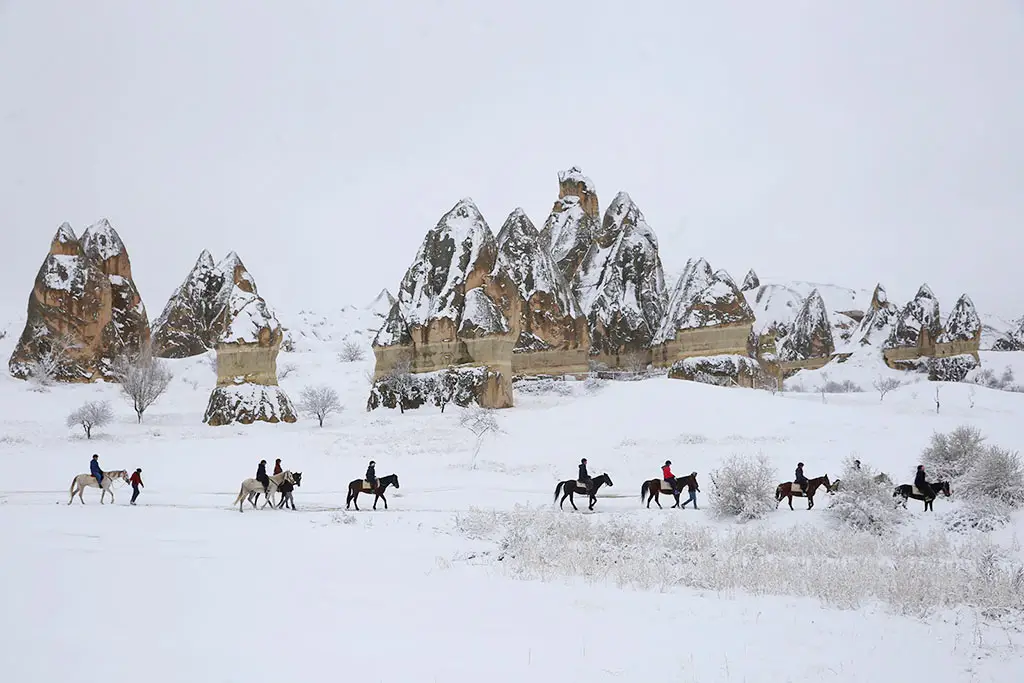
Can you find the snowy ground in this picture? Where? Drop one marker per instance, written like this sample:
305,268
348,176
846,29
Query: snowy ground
183,587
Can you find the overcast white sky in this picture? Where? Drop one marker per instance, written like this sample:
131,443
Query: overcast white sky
841,142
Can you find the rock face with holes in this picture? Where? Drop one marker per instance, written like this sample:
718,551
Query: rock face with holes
569,230
707,316
620,286
456,306
553,336
247,346
84,310
810,338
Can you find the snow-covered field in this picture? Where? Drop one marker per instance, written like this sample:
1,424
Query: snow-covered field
470,575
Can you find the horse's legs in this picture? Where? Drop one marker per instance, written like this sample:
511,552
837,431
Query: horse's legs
810,502
790,501
593,501
355,496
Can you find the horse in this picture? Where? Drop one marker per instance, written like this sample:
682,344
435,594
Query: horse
910,491
882,478
357,486
785,490
653,489
572,487
83,481
285,489
250,486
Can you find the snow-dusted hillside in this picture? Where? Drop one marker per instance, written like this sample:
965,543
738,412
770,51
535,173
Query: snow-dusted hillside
777,304
312,330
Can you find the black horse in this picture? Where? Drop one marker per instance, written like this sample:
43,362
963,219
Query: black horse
285,489
358,486
572,487
907,491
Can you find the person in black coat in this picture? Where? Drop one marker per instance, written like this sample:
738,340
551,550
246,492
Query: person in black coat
922,485
261,476
799,478
371,475
584,476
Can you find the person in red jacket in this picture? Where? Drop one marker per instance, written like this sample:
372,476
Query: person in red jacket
277,466
136,482
666,474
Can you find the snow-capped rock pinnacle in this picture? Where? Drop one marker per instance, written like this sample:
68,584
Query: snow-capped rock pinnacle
750,282
811,333
569,230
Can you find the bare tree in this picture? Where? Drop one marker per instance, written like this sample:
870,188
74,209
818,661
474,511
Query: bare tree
971,393
883,385
400,379
91,415
143,379
53,354
319,401
937,399
286,369
634,363
481,422
350,352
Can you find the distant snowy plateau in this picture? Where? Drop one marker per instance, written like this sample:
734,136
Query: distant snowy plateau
471,574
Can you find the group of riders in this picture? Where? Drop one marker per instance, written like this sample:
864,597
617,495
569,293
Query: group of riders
921,482
586,481
263,478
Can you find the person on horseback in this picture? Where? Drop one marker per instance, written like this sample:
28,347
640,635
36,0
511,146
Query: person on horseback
799,477
856,464
371,475
666,474
94,469
584,476
691,484
922,485
261,476
277,466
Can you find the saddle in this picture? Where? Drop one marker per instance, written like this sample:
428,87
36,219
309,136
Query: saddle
796,488
585,485
366,486
916,491
666,487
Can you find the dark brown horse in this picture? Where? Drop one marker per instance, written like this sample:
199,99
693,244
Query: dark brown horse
571,487
362,486
653,489
788,489
908,491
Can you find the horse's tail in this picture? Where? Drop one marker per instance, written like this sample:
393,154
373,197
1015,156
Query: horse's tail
643,491
241,494
778,493
558,489
73,482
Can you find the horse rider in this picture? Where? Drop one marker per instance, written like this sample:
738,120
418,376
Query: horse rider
922,485
371,475
799,477
856,464
277,466
94,469
691,484
584,476
261,476
666,474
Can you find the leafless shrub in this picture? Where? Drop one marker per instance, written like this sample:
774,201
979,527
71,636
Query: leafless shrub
143,379
743,487
319,402
883,385
351,352
286,369
481,422
91,415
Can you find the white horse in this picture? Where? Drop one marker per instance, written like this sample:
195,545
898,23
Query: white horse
251,486
83,481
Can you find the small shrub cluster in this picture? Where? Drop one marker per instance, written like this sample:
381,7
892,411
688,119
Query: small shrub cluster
1005,381
404,390
862,503
743,487
845,386
546,386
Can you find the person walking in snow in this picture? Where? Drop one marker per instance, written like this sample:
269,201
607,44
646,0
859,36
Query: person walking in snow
261,476
799,477
691,484
94,469
136,482
371,475
277,466
584,476
666,474
922,485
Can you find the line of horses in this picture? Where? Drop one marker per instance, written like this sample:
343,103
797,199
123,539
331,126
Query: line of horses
285,482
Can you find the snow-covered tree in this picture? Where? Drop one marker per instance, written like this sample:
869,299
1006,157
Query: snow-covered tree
949,456
143,378
319,401
481,422
743,487
91,415
350,352
883,385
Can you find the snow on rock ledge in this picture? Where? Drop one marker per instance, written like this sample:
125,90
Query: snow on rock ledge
727,370
247,403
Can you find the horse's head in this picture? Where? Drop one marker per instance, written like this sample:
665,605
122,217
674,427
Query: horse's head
122,474
395,476
607,479
826,483
298,478
287,476
942,487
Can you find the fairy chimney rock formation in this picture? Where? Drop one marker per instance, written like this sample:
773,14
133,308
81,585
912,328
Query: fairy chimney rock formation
84,309
250,339
707,316
811,334
620,284
456,307
750,282
553,336
918,324
185,328
877,324
569,230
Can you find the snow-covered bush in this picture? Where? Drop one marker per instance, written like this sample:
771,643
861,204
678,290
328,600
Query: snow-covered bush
743,487
883,385
144,379
544,386
862,503
914,574
593,385
996,473
351,352
845,386
1003,382
978,514
91,415
949,456
319,402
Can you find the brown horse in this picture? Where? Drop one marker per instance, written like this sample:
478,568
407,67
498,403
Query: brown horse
788,489
653,489
362,486
571,487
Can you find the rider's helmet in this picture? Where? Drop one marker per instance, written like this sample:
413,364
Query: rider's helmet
799,464
668,462
920,467
584,461
372,462
139,470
